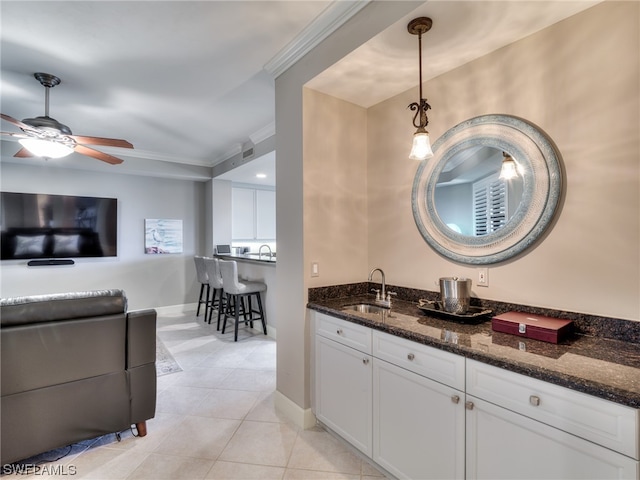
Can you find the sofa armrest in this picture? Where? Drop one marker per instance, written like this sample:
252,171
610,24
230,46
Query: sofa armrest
141,338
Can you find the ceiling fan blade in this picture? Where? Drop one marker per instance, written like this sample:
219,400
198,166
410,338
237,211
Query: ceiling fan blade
15,135
107,142
90,152
17,123
23,153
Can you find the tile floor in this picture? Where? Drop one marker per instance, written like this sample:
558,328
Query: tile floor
215,420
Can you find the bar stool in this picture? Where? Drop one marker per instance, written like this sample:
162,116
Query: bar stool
203,278
215,283
236,292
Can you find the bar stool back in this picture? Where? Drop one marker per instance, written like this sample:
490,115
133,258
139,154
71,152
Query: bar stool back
203,279
215,283
236,292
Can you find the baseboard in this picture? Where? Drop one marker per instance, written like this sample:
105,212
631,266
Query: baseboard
176,309
304,418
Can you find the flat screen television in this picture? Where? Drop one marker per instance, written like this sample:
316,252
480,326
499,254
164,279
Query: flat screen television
36,225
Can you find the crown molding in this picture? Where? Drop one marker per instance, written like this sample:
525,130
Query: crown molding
331,18
264,133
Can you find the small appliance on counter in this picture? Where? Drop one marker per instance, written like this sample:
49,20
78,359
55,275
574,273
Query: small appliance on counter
455,294
528,325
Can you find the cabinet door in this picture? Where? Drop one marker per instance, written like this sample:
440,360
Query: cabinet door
418,425
265,214
243,214
502,444
343,392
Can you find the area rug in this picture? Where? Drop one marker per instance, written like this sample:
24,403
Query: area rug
165,363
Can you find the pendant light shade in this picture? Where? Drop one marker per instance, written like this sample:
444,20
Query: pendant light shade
46,148
509,168
421,149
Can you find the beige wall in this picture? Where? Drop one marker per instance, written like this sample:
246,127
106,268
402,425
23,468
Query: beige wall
335,189
579,82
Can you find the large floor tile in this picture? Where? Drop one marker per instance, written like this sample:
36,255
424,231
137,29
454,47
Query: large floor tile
181,400
315,449
167,467
233,404
261,443
295,474
242,471
265,411
199,437
202,376
249,379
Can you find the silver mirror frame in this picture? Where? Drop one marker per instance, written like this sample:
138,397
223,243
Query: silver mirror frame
538,162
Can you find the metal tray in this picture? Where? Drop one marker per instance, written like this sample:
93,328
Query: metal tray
431,307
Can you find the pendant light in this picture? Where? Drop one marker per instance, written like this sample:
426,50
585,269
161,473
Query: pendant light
509,168
421,149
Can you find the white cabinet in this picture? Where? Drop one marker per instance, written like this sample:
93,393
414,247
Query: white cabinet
422,413
418,425
502,444
265,214
418,418
344,382
253,214
519,427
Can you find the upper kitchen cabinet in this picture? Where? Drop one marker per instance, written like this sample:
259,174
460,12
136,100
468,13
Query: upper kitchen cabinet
253,214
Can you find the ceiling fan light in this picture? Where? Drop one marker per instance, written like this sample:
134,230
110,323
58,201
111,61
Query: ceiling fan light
509,168
46,148
421,149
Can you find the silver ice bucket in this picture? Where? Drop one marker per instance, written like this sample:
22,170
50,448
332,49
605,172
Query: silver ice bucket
455,294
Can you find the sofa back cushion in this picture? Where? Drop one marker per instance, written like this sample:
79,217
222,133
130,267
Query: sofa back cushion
40,355
60,306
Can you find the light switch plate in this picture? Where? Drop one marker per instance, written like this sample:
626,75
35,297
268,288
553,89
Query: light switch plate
483,277
315,269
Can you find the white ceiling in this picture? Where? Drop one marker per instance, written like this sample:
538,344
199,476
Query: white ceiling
185,81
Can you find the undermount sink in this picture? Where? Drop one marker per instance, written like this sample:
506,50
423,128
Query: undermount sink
365,308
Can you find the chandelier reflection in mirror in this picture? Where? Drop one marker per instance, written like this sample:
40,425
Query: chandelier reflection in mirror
421,149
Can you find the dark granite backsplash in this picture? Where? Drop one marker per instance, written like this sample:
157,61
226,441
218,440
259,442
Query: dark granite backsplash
592,325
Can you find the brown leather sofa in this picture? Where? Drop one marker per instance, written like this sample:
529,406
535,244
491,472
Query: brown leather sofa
74,366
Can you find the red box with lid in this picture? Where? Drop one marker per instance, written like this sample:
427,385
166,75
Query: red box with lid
528,325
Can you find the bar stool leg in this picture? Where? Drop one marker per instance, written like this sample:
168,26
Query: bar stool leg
262,314
200,299
237,318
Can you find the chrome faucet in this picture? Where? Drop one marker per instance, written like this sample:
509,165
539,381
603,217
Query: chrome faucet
382,296
260,250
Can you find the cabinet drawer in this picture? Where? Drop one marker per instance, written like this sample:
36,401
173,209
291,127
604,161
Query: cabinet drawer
350,334
438,365
603,422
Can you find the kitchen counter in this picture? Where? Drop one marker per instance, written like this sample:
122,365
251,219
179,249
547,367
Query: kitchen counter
604,367
249,258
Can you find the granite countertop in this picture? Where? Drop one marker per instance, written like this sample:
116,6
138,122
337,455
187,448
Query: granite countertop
603,367
249,258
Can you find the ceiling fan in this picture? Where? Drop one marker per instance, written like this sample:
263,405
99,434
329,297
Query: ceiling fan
46,137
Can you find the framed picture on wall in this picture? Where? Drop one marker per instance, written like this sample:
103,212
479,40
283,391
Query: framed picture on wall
162,235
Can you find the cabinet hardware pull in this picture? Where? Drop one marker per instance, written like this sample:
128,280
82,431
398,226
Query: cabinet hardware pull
455,399
339,331
365,361
411,356
468,405
534,400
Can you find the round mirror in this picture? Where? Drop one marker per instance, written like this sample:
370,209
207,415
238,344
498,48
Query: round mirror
462,204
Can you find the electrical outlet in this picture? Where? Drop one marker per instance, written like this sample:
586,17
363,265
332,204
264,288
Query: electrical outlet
315,269
483,277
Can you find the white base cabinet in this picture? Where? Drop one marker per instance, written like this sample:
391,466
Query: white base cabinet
423,413
418,425
502,444
343,392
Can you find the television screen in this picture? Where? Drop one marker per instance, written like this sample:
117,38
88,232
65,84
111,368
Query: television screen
35,225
